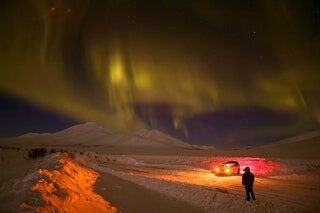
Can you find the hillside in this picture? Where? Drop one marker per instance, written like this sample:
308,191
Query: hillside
91,134
304,146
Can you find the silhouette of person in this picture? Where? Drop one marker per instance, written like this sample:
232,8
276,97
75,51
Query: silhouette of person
247,182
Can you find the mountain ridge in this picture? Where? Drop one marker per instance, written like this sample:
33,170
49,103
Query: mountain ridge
92,134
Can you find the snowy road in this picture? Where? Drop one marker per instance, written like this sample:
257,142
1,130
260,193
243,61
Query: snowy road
297,190
286,189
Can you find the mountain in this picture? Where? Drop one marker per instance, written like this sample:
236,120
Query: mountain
91,134
303,146
305,137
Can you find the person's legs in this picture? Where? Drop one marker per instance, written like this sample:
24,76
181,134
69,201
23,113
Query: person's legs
252,194
247,193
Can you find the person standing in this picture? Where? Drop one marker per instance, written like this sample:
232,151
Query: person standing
247,182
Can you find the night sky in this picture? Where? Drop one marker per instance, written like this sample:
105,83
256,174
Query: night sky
223,73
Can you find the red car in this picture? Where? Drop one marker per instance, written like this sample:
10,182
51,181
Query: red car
228,168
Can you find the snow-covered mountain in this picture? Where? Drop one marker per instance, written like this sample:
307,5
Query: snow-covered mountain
91,134
305,138
303,146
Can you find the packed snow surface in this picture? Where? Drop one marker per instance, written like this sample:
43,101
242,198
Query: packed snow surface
280,186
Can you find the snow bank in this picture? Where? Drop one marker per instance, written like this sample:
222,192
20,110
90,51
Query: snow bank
102,159
57,184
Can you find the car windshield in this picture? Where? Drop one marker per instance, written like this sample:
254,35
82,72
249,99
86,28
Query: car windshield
228,164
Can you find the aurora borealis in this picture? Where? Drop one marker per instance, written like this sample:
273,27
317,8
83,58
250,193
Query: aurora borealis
212,72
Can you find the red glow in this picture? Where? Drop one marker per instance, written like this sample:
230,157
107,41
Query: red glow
258,166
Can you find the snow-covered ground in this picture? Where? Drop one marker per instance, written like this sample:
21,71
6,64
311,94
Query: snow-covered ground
156,170
282,185
285,186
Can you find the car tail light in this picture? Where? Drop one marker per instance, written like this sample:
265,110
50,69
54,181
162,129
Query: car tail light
227,170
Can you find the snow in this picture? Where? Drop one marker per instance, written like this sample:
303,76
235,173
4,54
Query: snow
205,199
91,134
287,172
298,138
185,179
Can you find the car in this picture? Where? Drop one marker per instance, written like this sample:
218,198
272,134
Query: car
228,168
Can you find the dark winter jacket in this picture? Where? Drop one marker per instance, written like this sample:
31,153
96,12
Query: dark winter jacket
247,179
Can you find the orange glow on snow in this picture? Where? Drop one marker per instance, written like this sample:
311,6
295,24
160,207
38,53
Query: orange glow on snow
69,189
